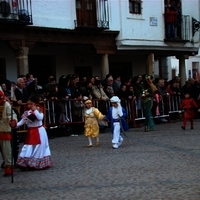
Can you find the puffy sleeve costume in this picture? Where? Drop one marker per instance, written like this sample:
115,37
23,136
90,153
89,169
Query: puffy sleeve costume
91,117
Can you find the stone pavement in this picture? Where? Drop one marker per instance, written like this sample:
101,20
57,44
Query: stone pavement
160,165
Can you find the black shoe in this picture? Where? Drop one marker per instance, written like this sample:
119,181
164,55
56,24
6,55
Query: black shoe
183,127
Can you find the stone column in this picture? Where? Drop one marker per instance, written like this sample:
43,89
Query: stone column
104,66
163,67
22,60
150,65
182,70
21,49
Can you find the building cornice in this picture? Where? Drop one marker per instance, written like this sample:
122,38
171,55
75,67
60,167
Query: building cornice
103,41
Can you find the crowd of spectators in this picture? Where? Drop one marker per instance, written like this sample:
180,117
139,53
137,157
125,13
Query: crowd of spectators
74,86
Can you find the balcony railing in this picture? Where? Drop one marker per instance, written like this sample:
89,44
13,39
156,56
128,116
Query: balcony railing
16,11
179,30
94,15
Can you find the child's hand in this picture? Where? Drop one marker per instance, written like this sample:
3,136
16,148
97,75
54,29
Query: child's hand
34,107
199,110
12,123
38,108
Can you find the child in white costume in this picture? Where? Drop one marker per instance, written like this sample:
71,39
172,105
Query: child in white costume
91,117
116,115
35,153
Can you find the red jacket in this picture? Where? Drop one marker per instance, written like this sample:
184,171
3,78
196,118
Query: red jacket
170,16
188,103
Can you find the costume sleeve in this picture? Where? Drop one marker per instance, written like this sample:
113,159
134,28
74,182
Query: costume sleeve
21,122
98,114
109,114
124,113
8,112
194,105
38,115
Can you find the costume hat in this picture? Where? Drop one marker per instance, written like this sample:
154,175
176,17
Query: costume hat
115,99
88,101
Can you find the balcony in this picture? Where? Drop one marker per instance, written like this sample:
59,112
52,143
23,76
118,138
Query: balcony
92,14
179,30
16,12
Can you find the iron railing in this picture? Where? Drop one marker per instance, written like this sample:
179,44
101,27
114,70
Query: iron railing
185,27
99,19
182,28
16,11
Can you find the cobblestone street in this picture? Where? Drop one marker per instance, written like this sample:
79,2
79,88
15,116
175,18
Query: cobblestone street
163,164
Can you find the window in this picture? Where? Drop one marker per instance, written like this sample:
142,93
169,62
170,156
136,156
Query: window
135,6
78,4
195,70
88,4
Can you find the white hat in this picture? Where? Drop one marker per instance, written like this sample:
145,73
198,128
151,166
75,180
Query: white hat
85,98
115,99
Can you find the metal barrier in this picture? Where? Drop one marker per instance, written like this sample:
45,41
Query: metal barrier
65,112
174,103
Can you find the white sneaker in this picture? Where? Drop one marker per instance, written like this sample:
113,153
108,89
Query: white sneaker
115,146
163,120
120,141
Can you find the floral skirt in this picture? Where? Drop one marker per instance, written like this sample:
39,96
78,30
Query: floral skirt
36,156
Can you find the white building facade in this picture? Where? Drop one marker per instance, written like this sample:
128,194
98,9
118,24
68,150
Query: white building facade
192,67
93,37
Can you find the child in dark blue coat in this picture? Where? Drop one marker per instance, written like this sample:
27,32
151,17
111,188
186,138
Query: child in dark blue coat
116,115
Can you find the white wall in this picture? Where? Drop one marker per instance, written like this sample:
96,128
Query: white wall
55,14
62,13
137,33
174,63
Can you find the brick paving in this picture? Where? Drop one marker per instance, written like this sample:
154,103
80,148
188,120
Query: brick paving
160,165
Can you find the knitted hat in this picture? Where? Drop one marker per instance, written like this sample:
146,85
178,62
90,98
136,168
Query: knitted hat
115,99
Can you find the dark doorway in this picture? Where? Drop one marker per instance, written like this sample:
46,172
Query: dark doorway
41,66
2,69
86,13
124,69
83,71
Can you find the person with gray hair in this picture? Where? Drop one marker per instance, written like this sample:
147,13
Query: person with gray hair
21,92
